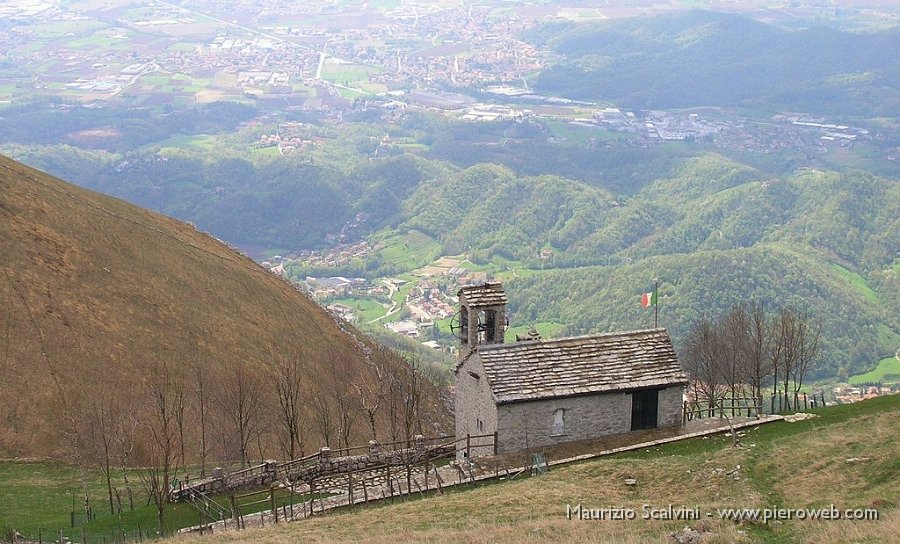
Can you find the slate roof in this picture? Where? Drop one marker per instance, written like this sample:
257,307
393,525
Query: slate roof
486,294
563,367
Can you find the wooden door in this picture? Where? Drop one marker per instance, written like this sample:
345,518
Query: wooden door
644,405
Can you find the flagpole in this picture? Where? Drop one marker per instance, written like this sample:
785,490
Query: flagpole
656,306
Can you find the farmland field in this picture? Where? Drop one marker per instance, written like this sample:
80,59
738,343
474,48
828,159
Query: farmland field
887,371
410,250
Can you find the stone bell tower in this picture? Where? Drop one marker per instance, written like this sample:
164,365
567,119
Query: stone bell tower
481,317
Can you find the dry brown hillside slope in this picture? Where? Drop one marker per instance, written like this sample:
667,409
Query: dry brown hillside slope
96,295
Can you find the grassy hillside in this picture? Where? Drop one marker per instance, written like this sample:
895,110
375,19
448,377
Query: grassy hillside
96,296
786,465
700,58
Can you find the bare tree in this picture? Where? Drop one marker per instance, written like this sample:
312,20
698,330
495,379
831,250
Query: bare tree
405,398
807,338
241,401
201,397
127,428
321,405
733,332
102,435
179,396
786,342
703,354
346,403
288,380
371,393
757,349
162,444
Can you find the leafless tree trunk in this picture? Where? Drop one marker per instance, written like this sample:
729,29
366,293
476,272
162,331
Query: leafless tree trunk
757,349
241,401
180,422
162,446
102,433
127,428
412,400
787,340
289,388
807,349
370,398
202,400
321,406
703,353
371,393
733,338
346,402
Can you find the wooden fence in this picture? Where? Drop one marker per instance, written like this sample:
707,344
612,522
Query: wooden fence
781,402
327,462
734,406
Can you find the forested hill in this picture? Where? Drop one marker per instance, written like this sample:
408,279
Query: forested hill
102,303
715,233
700,58
710,203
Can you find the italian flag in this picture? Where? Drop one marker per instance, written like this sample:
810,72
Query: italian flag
648,299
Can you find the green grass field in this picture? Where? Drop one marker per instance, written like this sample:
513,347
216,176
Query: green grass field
348,73
547,329
857,281
265,151
887,371
38,498
366,308
401,293
574,134
410,250
177,144
94,42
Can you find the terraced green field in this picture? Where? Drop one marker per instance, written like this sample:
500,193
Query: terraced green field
887,371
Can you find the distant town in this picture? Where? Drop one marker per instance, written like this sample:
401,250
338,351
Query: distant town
465,61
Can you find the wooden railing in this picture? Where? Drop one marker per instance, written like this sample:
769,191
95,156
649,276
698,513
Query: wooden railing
732,406
325,461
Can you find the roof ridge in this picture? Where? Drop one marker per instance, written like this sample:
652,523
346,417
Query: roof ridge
569,338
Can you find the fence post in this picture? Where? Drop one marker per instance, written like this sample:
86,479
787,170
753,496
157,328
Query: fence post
390,482
468,445
805,406
496,441
350,487
272,501
234,512
684,409
365,491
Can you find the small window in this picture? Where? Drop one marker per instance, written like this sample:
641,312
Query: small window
479,425
559,422
474,375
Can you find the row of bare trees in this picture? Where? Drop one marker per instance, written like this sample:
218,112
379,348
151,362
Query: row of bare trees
746,350
184,416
